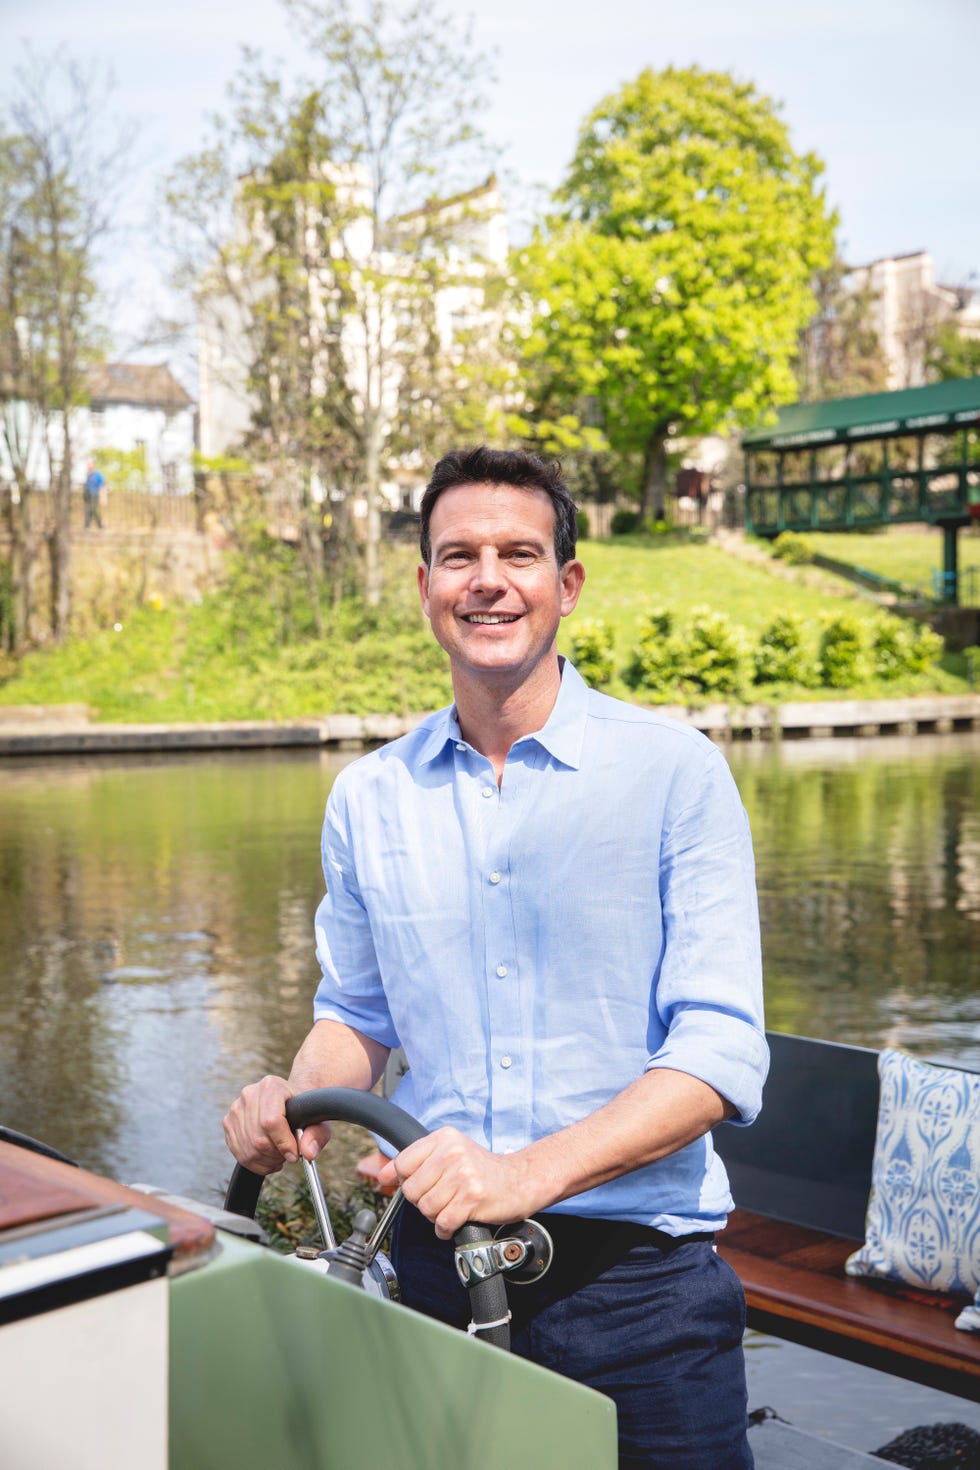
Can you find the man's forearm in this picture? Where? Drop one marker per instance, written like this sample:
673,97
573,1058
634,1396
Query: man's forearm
452,1179
334,1055
653,1117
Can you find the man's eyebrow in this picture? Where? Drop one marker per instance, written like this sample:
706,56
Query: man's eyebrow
459,543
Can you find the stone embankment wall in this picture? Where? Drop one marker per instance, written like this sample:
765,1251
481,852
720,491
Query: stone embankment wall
66,729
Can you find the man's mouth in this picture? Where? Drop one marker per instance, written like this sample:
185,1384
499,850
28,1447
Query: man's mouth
491,618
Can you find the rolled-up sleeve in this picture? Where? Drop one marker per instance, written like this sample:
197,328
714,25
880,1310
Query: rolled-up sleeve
350,990
709,993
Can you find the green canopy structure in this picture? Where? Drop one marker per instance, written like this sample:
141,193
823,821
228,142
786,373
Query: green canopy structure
878,460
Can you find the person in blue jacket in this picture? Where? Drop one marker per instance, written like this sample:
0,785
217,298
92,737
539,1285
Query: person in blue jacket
93,492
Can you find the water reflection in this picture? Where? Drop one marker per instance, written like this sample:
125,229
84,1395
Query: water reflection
157,922
869,886
155,916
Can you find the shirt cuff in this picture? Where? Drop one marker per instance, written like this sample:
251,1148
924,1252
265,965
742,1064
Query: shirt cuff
727,1053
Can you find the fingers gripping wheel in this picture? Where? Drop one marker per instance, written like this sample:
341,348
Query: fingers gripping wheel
488,1296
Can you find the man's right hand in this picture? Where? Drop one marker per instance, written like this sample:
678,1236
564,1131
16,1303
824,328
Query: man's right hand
258,1134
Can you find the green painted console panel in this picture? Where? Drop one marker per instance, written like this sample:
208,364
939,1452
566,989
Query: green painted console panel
273,1367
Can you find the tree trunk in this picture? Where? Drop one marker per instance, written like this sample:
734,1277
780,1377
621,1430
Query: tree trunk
23,570
372,491
311,550
60,538
653,494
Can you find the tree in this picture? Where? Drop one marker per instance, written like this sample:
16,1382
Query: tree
325,283
952,353
667,290
839,353
59,170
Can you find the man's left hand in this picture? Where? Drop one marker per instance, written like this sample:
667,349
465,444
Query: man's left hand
453,1180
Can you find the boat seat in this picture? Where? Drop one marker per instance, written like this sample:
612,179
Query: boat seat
801,1176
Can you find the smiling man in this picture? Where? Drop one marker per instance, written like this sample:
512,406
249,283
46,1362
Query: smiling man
546,897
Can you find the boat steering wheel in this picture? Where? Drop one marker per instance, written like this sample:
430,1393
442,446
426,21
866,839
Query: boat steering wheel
480,1257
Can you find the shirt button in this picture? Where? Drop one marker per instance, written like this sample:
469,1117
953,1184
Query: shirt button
487,791
505,1061
494,877
501,971
460,745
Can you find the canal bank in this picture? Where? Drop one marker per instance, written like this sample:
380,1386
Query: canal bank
68,729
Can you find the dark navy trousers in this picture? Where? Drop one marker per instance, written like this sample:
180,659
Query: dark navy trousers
655,1325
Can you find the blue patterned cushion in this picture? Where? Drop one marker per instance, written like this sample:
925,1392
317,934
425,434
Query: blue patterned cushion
923,1225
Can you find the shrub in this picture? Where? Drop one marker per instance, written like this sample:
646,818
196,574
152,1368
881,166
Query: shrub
592,651
624,522
779,656
841,654
583,524
926,646
898,647
790,547
653,664
708,656
712,655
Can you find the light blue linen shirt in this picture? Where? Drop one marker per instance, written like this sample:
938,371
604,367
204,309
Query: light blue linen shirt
536,948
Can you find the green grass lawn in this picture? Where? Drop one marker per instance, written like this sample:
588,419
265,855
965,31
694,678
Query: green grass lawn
625,581
232,656
909,556
629,577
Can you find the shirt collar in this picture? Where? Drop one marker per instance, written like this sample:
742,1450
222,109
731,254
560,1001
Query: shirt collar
561,735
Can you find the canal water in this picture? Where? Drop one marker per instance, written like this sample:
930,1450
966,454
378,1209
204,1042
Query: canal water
155,928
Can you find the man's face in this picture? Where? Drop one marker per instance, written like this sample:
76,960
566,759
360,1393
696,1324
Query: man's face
494,592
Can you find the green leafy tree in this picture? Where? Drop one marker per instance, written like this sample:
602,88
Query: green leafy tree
666,293
322,280
61,167
952,354
124,469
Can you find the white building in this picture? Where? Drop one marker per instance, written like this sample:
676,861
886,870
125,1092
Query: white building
908,305
131,406
472,229
135,406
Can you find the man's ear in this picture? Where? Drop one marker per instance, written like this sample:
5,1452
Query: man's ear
572,578
422,575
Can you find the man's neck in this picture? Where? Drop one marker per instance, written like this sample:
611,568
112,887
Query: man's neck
493,716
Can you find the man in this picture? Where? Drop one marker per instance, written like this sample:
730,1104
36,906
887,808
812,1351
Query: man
94,485
546,897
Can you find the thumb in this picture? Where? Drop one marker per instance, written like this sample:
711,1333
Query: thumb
314,1139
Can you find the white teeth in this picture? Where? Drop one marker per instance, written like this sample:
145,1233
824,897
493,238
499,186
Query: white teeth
491,618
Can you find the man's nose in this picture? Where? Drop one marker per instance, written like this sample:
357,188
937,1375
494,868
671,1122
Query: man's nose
488,571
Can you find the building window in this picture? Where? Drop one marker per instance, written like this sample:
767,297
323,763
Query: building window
170,479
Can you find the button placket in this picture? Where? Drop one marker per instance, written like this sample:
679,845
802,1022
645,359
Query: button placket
505,1041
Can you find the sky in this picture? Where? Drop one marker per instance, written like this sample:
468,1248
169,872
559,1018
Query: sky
883,91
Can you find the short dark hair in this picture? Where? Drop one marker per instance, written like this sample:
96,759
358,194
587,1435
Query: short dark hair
483,466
